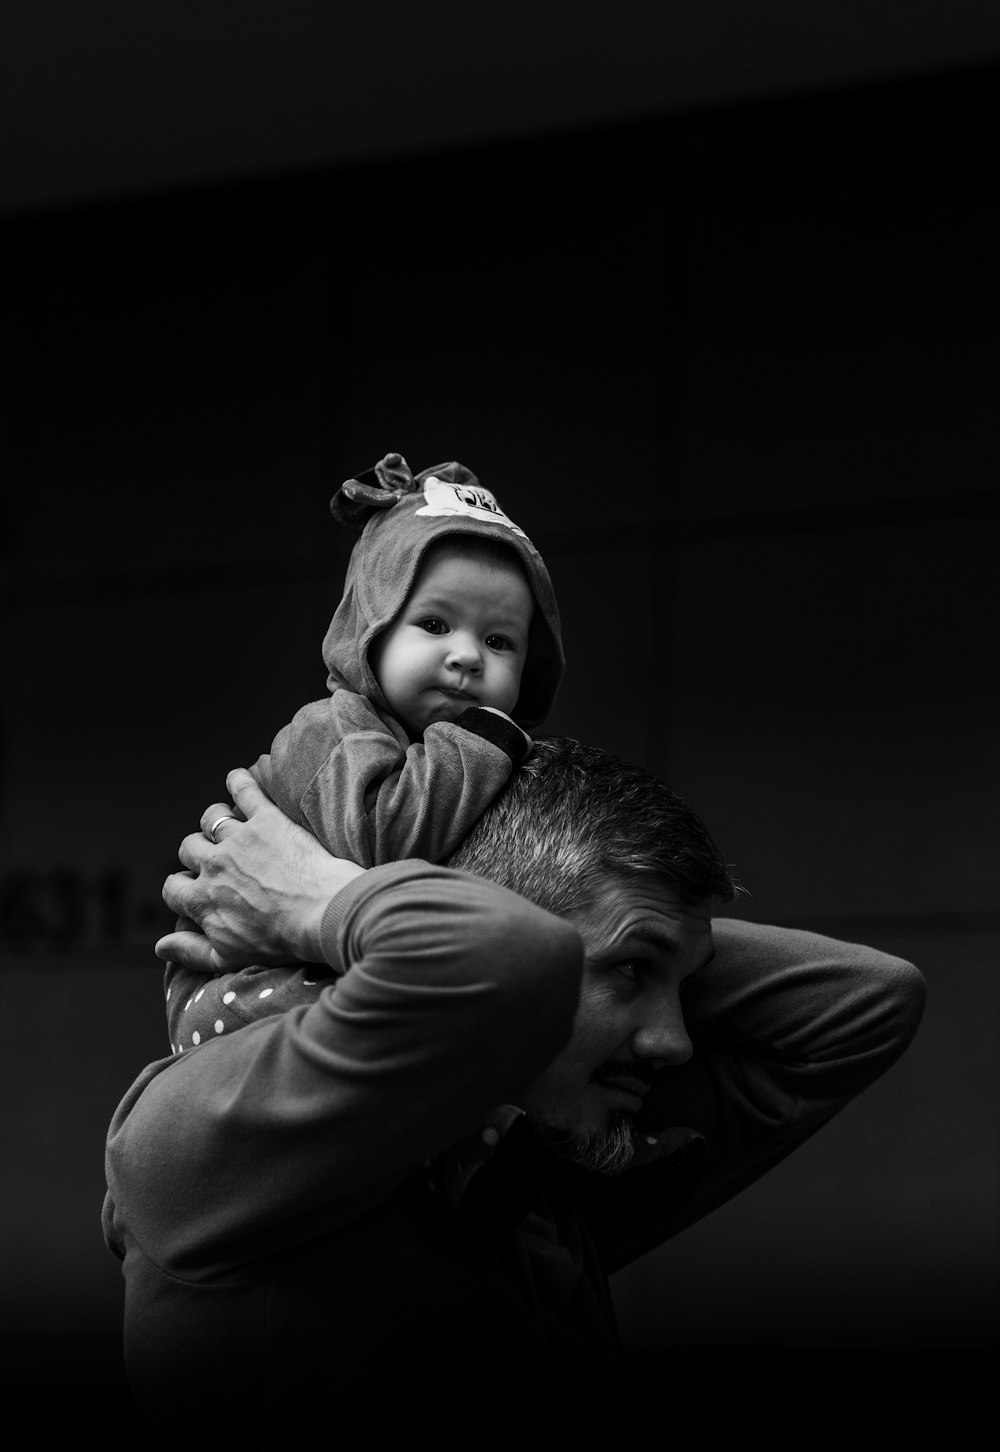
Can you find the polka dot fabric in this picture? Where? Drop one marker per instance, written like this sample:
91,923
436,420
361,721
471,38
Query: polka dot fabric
200,1008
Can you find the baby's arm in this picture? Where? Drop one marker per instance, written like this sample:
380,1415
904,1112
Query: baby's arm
369,794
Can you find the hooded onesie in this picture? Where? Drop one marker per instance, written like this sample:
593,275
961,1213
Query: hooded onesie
345,767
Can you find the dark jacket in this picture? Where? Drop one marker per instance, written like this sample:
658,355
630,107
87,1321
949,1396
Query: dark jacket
284,1198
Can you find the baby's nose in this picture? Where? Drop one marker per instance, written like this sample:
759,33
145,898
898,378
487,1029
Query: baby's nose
464,652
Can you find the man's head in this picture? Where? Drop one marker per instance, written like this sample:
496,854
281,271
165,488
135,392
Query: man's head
461,637
612,849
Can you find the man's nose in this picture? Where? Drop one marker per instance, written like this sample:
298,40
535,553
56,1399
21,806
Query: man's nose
664,1038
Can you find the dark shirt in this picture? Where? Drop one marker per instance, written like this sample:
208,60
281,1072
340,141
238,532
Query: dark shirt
284,1197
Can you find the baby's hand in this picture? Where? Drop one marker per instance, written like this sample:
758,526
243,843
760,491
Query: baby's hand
497,712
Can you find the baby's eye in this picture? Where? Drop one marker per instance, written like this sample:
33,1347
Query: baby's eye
499,642
432,625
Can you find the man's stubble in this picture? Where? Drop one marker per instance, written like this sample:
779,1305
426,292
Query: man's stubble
607,1153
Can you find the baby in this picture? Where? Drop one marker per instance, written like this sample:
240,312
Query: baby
443,654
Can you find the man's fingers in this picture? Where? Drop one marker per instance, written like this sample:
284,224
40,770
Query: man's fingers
245,792
178,890
247,799
185,892
216,818
194,851
193,950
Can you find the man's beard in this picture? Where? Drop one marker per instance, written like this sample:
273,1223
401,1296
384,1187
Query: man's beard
607,1153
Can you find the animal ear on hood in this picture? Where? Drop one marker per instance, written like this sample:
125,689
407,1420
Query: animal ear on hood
377,488
450,473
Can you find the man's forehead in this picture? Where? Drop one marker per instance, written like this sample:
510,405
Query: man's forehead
646,907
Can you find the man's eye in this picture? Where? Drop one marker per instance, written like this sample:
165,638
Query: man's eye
432,625
628,968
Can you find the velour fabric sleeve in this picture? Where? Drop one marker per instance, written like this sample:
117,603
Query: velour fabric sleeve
453,994
351,775
787,1028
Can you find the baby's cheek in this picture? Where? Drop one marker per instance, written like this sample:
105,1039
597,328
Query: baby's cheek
513,689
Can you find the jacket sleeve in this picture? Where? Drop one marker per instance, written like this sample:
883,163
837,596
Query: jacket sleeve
787,1028
255,1141
369,794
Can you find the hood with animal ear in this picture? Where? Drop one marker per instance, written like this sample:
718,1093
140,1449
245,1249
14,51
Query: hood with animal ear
400,514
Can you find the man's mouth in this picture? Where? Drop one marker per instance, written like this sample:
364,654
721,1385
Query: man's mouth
629,1086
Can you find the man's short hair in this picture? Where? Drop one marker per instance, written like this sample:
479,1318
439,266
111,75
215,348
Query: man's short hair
574,816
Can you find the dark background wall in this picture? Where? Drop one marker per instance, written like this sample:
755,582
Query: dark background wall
735,369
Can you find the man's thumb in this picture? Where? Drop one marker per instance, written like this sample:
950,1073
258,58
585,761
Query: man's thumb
245,792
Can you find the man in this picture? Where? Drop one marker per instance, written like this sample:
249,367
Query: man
405,1197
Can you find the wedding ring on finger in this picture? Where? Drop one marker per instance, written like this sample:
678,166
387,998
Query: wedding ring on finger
226,817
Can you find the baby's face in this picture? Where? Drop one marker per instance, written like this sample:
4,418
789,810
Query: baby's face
460,639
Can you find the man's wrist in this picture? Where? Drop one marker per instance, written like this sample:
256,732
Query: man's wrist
313,944
341,917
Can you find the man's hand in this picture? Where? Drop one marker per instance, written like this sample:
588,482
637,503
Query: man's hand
258,894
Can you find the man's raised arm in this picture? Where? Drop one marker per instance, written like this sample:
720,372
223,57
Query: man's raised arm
788,1027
